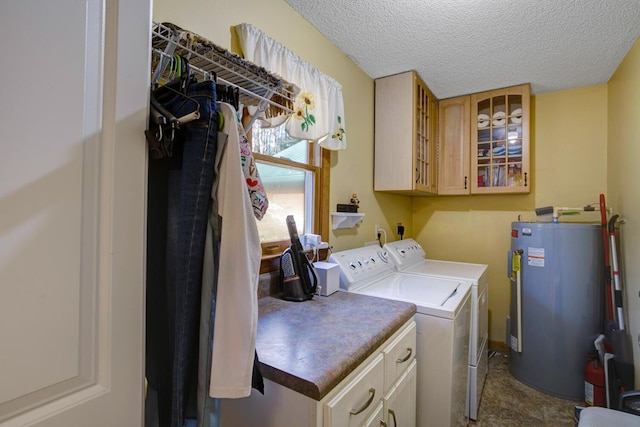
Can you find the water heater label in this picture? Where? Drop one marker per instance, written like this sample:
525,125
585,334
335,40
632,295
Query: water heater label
535,257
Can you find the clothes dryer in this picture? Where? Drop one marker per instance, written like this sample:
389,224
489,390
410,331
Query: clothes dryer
443,321
409,257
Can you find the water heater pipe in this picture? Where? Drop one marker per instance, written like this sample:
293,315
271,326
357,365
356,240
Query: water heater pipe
518,254
563,210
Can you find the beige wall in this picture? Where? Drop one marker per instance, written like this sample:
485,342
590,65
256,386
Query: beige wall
623,166
351,170
569,169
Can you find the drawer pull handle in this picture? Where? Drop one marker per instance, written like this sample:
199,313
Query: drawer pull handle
404,359
393,415
372,394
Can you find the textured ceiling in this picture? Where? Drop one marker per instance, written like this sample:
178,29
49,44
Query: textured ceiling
465,46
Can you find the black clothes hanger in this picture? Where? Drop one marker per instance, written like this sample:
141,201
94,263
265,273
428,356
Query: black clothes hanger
233,94
164,125
228,94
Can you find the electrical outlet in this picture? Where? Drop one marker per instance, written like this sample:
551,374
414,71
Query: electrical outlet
375,231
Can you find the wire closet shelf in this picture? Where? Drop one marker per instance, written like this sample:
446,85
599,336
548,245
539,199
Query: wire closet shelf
255,84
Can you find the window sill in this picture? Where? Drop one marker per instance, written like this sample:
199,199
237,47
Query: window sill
271,262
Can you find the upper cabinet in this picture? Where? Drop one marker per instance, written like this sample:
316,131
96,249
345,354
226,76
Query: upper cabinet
454,129
472,144
483,145
500,141
406,116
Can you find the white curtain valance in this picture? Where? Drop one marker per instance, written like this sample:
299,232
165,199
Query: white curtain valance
319,107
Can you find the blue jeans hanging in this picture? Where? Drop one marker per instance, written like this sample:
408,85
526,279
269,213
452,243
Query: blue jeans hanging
178,207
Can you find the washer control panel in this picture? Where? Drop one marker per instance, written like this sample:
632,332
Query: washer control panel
357,266
405,252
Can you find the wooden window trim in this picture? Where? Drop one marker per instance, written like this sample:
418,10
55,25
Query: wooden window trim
271,251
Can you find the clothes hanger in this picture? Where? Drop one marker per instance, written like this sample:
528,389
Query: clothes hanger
228,94
179,78
161,139
177,86
233,94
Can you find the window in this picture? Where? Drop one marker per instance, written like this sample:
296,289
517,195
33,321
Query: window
326,117
295,176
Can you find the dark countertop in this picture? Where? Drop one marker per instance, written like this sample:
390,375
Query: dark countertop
311,346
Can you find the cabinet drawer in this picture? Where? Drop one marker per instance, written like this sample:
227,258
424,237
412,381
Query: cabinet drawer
356,401
377,418
399,354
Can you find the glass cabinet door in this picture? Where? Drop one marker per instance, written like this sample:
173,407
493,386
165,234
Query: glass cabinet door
425,147
500,146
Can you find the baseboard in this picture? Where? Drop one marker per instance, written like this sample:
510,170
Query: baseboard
498,346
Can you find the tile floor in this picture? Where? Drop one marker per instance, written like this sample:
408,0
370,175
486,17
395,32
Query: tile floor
506,402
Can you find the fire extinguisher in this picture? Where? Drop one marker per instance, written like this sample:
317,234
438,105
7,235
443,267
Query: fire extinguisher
594,387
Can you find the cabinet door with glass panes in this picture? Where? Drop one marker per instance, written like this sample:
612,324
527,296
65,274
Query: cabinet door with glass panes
406,116
500,141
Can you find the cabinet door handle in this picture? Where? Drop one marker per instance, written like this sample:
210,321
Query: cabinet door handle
525,179
465,182
393,415
372,394
404,359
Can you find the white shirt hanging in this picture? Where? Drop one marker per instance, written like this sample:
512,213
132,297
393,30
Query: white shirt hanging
236,317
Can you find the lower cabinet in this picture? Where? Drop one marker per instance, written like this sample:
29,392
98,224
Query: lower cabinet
355,401
377,417
378,392
400,402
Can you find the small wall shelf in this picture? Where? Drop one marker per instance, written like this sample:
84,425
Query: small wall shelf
346,219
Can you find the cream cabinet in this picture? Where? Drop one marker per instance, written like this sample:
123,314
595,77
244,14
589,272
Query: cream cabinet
405,135
351,406
500,141
400,379
454,160
383,382
483,144
400,402
377,418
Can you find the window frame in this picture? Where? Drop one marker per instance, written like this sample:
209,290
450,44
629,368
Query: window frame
271,251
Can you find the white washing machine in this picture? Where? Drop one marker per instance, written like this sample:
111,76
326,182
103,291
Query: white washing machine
409,257
443,321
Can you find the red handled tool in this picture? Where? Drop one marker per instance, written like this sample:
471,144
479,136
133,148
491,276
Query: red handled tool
607,265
